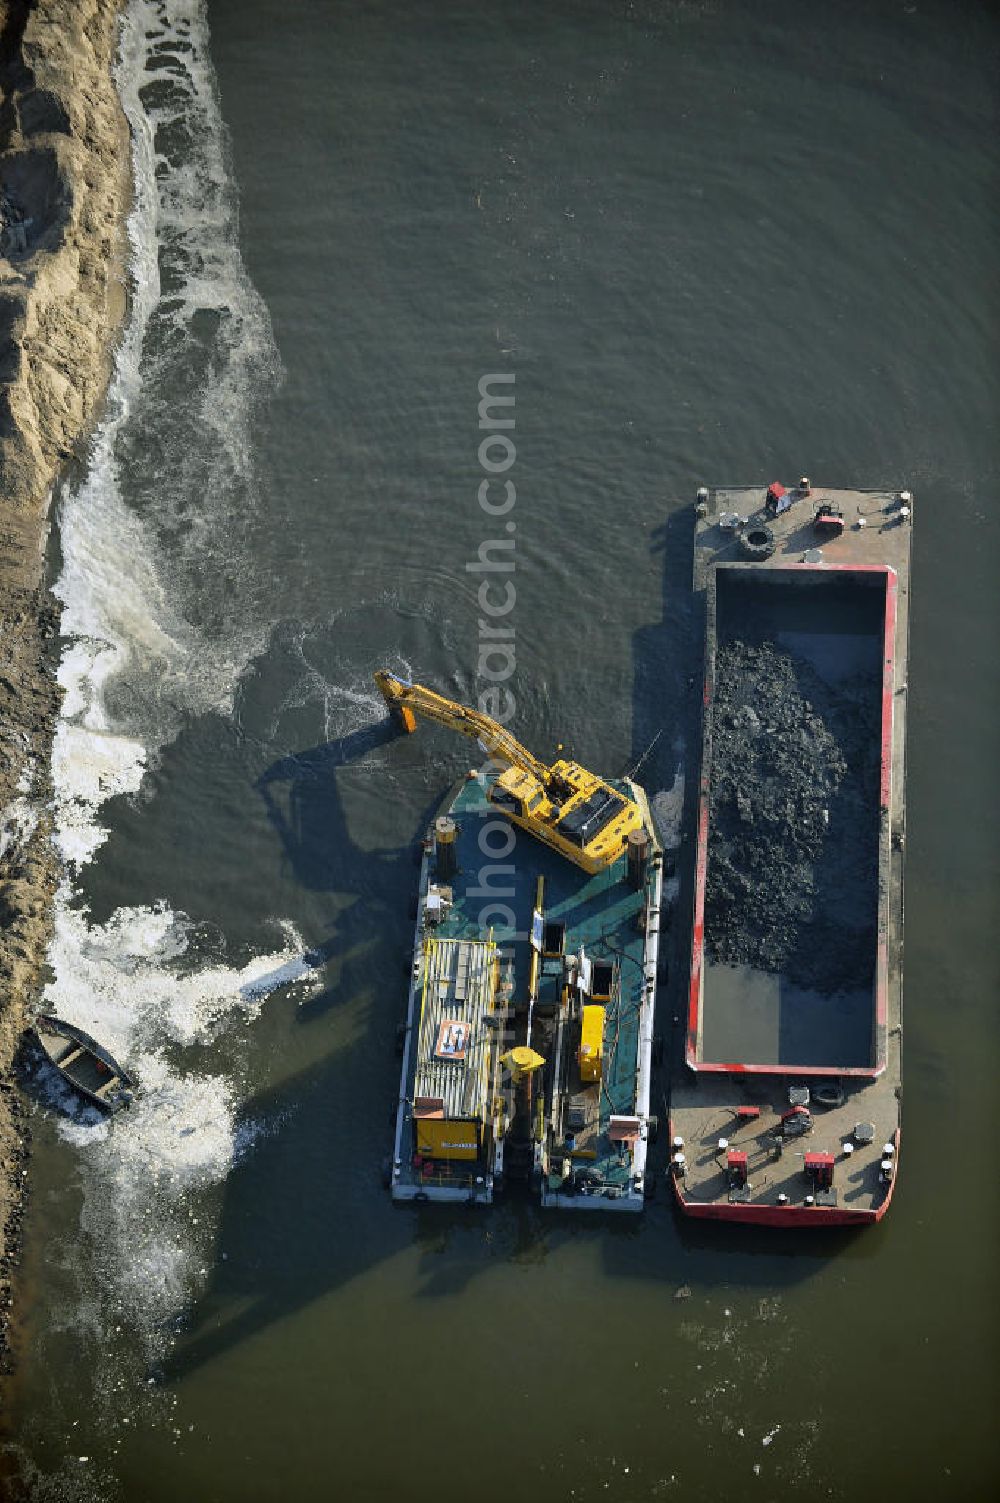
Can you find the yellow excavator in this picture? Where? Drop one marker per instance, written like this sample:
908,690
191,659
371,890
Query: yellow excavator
572,810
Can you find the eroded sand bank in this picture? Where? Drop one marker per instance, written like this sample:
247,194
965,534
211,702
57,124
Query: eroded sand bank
64,195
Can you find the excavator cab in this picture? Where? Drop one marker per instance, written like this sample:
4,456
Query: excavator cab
518,794
578,813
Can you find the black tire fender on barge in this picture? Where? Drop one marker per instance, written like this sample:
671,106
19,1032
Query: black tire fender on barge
757,541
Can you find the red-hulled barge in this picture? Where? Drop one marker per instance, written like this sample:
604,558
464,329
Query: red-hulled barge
785,1108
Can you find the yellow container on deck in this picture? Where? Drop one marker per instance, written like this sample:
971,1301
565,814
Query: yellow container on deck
440,1138
591,1043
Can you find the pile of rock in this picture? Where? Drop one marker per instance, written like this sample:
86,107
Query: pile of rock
793,842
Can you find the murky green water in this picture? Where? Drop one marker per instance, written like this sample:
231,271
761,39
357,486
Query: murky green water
712,243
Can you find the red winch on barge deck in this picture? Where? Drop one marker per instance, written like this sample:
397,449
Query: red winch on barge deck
786,1107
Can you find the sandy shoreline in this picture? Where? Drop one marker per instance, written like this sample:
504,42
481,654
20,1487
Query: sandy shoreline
65,186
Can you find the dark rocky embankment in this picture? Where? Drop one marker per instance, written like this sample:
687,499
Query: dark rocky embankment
64,191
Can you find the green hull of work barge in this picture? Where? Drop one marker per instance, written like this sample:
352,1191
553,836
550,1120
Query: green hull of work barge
527,1038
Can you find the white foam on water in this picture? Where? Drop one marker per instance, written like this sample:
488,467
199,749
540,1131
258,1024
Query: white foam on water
349,699
668,811
152,538
131,980
147,1236
152,639
667,808
19,820
17,824
347,707
88,766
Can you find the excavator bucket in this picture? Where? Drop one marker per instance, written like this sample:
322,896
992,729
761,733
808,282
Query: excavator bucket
391,691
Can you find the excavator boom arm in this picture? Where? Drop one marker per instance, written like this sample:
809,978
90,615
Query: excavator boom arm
495,738
581,816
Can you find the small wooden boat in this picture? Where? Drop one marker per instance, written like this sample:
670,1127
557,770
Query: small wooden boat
84,1063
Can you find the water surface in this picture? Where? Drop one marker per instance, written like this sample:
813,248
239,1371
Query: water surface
714,243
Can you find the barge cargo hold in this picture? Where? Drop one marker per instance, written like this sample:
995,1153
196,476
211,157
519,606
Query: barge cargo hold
527,1038
785,1108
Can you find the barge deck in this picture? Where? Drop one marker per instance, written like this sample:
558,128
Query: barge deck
528,1032
785,1106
